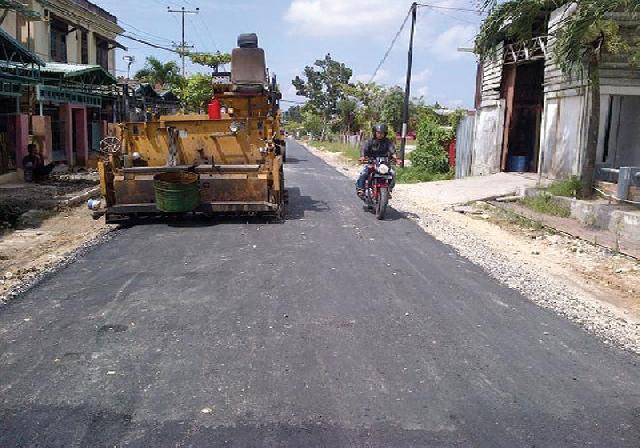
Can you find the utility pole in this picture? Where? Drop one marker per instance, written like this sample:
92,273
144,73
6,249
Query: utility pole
183,46
407,89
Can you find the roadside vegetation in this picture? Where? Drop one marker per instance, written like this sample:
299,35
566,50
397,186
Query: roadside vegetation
545,204
570,188
194,91
339,110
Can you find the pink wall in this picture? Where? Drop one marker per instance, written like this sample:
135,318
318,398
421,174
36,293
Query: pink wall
19,136
68,114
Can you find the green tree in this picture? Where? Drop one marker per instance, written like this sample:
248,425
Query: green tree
213,60
347,109
392,106
430,155
161,75
370,99
324,85
196,92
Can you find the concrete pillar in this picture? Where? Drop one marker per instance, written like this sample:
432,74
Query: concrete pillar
19,136
81,135
66,132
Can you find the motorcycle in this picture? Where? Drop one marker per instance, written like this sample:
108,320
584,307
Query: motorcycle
377,185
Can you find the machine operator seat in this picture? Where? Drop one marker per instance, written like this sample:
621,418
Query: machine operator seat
248,66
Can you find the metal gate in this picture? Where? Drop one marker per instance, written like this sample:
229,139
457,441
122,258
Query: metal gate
465,137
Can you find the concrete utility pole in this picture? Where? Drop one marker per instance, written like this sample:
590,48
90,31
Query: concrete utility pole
183,46
407,89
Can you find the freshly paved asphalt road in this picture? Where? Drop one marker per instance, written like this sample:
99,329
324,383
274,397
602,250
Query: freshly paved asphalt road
332,329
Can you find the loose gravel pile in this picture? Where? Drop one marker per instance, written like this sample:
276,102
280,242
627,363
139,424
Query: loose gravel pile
542,289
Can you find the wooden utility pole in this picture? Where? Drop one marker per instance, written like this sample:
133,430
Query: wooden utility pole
183,45
407,89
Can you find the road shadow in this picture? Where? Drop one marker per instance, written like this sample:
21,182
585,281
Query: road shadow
89,426
294,160
299,204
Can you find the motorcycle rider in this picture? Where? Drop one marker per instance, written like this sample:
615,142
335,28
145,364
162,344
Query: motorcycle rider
378,146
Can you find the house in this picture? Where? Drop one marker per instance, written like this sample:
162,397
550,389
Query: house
531,116
61,98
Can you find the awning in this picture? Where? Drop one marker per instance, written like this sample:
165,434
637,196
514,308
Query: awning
81,73
13,51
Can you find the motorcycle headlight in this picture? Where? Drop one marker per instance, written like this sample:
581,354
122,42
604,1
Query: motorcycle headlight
383,169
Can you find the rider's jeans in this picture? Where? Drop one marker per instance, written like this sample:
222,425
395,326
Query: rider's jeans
364,173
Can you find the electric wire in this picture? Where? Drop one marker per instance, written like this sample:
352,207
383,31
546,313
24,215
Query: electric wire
393,42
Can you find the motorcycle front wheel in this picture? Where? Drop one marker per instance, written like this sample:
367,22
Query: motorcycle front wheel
381,206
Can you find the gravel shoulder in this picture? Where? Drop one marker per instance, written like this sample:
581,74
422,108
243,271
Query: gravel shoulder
588,284
35,251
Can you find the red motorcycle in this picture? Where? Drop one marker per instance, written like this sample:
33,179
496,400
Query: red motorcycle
377,185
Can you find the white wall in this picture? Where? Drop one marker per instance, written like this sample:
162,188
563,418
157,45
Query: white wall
487,148
562,139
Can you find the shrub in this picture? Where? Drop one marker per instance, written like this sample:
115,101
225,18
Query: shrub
430,155
568,187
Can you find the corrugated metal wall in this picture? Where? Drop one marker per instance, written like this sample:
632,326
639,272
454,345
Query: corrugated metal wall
465,137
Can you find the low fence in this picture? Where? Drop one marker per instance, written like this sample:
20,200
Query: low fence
351,140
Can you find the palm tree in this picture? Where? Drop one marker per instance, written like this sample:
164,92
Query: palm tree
160,75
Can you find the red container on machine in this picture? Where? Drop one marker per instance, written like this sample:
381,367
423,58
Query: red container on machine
214,109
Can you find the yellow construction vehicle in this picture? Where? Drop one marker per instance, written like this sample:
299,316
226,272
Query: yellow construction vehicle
228,161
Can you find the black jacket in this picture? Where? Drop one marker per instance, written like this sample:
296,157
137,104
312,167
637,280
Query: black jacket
378,148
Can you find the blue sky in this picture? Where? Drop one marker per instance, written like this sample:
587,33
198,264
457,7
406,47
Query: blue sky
295,33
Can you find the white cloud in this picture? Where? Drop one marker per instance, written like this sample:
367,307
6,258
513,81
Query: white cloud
422,91
328,18
446,44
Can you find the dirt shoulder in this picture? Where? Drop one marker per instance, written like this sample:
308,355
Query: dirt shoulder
592,286
26,254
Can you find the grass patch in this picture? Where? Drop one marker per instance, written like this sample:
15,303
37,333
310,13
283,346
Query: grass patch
350,152
568,187
506,218
414,175
545,204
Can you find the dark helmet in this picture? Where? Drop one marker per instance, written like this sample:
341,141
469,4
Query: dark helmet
381,127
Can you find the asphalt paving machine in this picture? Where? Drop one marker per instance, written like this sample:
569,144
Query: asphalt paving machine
228,161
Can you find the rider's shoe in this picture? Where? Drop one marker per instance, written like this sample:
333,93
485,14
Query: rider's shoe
360,193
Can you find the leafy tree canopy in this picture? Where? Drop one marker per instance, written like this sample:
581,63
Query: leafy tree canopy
324,85
213,60
196,92
164,75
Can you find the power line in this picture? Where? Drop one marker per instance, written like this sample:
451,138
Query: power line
393,42
126,36
451,8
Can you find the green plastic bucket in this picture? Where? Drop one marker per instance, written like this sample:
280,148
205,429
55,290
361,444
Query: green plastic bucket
176,192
